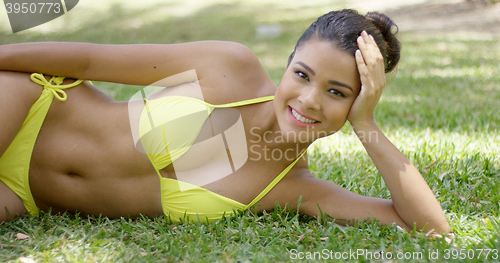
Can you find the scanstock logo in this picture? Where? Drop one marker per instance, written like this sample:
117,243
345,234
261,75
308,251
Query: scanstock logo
24,14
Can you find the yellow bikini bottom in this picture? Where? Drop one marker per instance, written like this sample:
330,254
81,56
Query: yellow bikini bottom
15,162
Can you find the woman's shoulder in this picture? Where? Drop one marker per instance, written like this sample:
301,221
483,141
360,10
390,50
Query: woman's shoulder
220,51
235,56
237,73
235,50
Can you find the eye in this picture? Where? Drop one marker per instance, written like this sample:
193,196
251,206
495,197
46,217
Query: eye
336,93
302,75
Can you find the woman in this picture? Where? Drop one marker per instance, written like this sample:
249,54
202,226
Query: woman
84,152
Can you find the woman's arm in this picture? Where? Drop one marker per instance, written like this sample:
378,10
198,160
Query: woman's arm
141,64
320,196
412,198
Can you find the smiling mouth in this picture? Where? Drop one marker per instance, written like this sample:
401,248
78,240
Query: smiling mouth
301,118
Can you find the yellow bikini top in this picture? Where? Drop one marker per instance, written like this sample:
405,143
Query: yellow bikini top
163,144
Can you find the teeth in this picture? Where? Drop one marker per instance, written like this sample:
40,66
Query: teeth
300,118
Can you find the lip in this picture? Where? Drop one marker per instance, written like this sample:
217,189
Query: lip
303,115
299,123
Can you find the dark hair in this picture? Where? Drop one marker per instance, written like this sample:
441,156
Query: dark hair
343,27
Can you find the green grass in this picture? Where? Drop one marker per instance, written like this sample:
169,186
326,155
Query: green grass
440,109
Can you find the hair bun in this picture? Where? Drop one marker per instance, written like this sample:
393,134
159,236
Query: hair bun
388,29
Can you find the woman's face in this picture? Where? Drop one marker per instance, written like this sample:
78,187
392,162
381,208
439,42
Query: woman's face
316,91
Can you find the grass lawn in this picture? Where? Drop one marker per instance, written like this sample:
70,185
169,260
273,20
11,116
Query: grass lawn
441,109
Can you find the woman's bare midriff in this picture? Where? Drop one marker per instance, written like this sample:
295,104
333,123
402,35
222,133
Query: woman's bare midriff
85,160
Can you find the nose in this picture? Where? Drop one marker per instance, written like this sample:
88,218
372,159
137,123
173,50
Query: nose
309,98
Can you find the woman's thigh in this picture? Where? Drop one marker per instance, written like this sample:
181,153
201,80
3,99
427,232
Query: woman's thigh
11,205
17,95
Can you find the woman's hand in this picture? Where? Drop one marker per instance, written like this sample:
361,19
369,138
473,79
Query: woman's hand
371,70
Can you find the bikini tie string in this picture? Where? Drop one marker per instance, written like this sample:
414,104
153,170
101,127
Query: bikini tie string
54,85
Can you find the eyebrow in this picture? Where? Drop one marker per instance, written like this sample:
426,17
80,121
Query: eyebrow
306,67
333,82
338,83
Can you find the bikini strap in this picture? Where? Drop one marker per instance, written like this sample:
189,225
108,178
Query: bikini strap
242,103
54,85
276,180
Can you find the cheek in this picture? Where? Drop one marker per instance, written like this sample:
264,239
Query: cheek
339,111
285,91
280,98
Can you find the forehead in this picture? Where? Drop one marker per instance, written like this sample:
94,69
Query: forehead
328,61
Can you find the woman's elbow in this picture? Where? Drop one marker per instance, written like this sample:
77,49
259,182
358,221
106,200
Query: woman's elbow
442,228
